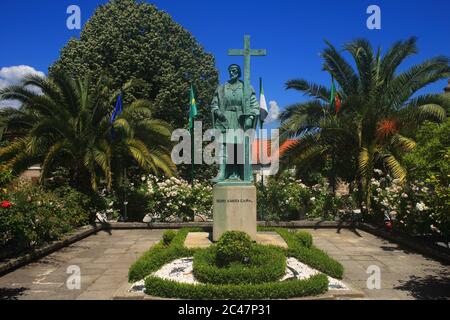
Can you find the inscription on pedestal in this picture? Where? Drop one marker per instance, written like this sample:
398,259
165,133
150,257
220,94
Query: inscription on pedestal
234,210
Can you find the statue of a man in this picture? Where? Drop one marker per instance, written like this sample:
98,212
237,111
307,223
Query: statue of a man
229,112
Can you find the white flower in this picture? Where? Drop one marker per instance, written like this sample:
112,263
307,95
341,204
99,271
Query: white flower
357,211
378,171
421,206
379,190
143,178
313,199
404,195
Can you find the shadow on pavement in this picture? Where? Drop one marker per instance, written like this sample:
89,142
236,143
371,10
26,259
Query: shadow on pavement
11,293
436,287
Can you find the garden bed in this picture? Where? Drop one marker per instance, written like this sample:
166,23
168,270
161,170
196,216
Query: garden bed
255,281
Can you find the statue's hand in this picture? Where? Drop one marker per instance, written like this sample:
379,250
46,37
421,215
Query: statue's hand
249,122
220,116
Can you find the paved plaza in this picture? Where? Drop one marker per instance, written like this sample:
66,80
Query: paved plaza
104,260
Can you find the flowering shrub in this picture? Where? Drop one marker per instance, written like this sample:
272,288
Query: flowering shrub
327,206
30,215
175,199
283,198
286,198
414,207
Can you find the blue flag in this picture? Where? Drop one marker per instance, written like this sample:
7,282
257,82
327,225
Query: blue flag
117,111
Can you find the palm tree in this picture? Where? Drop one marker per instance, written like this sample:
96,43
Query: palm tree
69,126
380,110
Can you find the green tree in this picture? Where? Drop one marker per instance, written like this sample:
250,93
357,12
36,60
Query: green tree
125,39
380,110
69,126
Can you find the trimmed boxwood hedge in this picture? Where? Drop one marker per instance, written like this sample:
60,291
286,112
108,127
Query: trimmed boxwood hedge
314,285
161,254
311,256
266,264
299,245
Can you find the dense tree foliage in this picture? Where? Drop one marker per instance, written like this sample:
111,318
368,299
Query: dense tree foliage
125,39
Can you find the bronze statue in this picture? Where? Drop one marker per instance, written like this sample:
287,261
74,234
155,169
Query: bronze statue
230,112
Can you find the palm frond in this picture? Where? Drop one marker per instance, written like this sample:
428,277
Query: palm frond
310,89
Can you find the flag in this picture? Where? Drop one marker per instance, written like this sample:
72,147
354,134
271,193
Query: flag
263,111
334,99
118,108
117,111
193,108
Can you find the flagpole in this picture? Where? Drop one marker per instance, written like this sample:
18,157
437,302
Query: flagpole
260,152
191,124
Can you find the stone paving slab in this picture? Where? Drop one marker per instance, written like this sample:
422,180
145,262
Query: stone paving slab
103,259
196,240
404,274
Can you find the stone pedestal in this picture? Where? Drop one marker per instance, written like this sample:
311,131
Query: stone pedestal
234,209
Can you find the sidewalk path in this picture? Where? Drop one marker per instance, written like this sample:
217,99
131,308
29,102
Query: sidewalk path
104,260
404,274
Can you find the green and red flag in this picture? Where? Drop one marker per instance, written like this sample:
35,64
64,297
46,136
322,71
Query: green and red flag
334,99
193,108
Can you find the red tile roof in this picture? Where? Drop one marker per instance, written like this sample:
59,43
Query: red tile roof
267,150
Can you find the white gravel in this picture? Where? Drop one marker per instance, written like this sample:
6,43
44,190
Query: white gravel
181,270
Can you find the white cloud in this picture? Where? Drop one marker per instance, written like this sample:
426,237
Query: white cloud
274,112
13,76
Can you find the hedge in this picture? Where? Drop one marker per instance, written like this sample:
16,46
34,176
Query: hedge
314,285
311,256
300,247
161,254
266,264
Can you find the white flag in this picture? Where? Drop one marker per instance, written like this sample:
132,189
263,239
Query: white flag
263,111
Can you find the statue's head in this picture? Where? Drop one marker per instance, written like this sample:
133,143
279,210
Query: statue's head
234,71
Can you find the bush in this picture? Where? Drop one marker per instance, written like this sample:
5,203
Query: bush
314,285
284,198
311,256
176,198
168,236
429,170
159,255
266,264
233,246
36,216
137,202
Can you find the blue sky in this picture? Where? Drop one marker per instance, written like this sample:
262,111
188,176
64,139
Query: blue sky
292,31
